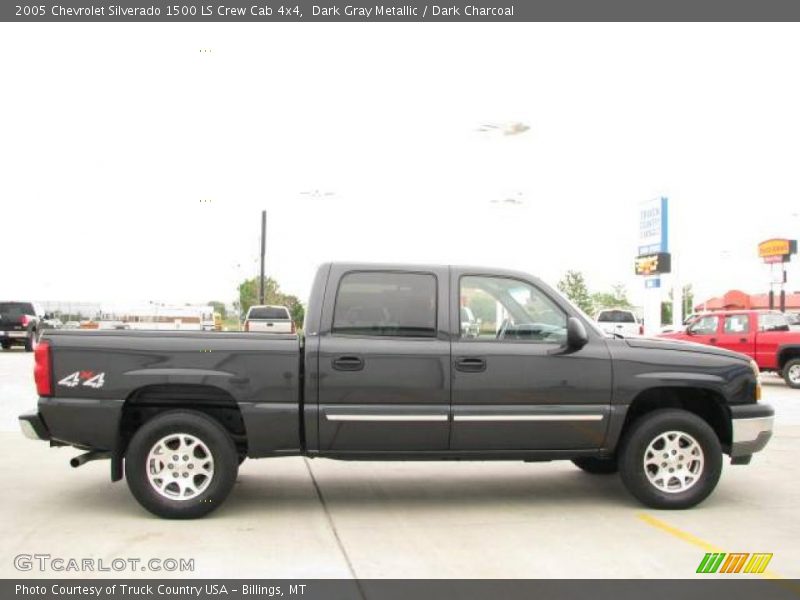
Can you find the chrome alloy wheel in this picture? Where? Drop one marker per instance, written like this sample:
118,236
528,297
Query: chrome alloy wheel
794,374
673,462
180,466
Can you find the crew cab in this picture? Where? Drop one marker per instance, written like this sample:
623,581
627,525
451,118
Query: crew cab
763,335
385,370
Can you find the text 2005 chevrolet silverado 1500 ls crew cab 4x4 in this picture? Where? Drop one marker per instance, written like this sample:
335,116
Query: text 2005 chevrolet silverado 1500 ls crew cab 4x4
384,371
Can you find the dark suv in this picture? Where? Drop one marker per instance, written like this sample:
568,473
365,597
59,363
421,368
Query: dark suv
20,323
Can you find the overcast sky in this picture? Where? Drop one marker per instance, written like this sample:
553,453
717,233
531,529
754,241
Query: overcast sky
112,135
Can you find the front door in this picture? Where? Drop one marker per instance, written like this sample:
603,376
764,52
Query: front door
513,386
704,330
384,362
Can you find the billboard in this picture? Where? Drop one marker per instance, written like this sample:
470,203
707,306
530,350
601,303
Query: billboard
653,264
653,233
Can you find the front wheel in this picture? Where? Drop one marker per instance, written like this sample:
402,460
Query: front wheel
791,373
31,341
181,464
670,459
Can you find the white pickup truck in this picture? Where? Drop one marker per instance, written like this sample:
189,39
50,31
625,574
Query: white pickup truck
269,319
618,320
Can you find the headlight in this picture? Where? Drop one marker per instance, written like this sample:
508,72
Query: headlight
757,374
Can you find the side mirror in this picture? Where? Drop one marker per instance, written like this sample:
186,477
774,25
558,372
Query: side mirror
577,337
689,330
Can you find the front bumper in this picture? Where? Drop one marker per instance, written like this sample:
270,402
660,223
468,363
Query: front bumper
751,428
33,427
13,334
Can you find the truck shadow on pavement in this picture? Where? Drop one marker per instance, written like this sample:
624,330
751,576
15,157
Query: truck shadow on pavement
258,492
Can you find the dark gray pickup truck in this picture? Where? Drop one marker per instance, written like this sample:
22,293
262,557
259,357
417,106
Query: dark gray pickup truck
386,369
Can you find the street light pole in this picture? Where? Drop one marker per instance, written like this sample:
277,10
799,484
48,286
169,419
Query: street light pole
263,253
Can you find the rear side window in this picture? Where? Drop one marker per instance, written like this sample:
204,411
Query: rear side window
773,322
16,309
274,313
386,304
616,316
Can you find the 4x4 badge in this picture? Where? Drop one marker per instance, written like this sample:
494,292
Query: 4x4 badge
87,378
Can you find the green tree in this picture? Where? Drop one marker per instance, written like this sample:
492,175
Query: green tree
573,286
218,307
248,296
616,298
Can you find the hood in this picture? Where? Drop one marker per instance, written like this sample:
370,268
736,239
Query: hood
663,343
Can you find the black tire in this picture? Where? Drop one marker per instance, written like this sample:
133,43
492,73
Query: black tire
647,429
30,341
787,369
6,345
218,443
596,466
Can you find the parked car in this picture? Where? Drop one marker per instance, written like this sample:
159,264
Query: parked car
269,319
384,372
763,335
52,323
72,325
20,324
619,320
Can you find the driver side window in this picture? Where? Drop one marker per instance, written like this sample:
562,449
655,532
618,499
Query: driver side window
504,309
705,325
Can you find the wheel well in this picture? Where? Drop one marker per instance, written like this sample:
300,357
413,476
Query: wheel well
786,355
706,404
147,402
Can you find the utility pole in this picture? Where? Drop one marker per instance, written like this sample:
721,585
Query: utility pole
261,289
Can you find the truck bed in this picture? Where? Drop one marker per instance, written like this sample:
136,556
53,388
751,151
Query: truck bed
98,374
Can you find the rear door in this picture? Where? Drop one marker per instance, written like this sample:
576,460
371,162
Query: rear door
384,356
738,334
513,386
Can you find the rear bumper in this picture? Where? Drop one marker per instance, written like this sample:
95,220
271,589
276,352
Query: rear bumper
33,427
751,428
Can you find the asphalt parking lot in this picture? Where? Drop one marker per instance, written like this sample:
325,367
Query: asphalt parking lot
291,517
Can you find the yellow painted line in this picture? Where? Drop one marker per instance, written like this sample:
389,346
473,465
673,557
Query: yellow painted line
700,543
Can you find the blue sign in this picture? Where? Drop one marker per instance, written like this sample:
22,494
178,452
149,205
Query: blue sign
654,226
652,282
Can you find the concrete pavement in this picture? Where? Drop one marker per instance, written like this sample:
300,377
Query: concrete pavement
293,517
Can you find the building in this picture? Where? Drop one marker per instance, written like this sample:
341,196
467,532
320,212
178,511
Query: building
738,300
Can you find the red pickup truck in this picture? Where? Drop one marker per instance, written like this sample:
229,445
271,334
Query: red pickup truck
763,335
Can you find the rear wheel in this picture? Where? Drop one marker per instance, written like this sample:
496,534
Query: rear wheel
181,464
670,459
791,373
31,341
596,466
6,345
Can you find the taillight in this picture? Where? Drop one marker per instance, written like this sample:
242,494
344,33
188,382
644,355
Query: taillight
294,329
24,320
42,369
641,329
247,325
